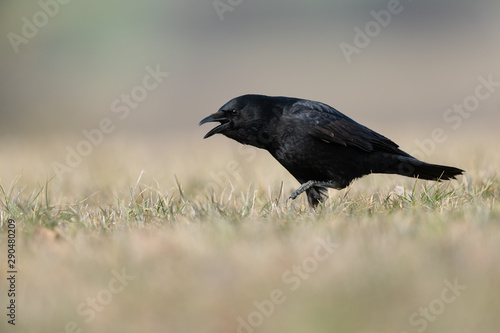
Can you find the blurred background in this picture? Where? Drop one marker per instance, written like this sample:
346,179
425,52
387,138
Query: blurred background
67,73
62,66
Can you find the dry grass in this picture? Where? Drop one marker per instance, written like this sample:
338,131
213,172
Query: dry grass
201,256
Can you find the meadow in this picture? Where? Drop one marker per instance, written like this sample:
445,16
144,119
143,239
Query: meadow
197,236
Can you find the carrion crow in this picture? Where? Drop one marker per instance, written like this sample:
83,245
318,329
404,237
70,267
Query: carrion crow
321,147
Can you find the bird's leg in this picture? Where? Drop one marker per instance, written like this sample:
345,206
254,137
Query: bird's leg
304,187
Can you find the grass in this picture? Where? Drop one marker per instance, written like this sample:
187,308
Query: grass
210,259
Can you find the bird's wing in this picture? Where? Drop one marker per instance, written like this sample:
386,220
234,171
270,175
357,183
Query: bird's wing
328,124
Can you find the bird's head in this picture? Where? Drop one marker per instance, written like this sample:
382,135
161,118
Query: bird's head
246,119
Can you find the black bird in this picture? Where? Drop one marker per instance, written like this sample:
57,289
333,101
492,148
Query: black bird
317,144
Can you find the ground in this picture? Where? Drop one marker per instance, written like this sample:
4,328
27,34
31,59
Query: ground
199,237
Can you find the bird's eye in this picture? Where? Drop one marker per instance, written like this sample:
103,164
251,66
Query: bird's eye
231,112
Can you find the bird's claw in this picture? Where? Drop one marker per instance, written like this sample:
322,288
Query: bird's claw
294,195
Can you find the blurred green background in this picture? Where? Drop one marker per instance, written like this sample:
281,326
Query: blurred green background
64,79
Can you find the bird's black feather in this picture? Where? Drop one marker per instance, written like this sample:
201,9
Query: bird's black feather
317,144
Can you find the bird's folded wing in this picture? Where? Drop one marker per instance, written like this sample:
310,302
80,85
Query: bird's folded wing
330,125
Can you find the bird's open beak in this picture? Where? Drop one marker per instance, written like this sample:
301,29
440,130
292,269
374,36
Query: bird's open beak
220,117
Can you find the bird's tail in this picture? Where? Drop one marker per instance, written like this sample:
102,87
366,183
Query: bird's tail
412,167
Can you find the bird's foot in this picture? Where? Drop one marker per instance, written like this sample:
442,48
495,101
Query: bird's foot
312,183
